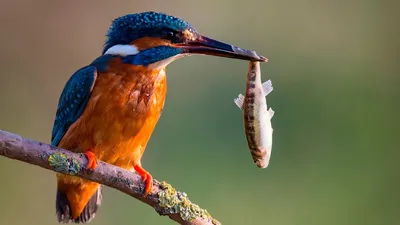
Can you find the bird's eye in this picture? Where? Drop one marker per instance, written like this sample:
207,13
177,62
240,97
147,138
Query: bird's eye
168,34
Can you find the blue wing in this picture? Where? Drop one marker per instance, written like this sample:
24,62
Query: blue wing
73,101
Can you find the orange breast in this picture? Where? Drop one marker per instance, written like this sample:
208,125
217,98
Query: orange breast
121,114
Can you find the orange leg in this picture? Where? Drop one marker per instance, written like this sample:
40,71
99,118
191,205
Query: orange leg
92,160
146,177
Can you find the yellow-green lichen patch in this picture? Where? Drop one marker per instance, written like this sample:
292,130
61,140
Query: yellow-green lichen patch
215,222
180,203
63,164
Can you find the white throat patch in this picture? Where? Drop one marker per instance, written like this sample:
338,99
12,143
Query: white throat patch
122,50
163,63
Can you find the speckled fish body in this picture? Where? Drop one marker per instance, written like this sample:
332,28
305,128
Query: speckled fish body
257,117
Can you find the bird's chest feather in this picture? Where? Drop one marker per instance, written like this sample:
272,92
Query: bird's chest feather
123,109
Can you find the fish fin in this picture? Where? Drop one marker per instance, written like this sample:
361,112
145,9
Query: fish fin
271,113
239,101
267,87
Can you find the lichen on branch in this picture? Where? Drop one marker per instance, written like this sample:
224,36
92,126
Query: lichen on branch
163,198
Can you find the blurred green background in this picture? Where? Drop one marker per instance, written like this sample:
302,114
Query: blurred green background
334,68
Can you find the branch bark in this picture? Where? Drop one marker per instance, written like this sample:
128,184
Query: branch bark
163,198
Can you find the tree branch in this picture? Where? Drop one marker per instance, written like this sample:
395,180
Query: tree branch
163,198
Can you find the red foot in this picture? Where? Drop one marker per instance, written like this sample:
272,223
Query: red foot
92,160
146,177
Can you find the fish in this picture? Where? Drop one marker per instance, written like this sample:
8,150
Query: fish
257,117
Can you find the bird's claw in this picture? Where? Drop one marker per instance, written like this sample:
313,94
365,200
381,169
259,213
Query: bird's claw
92,160
146,178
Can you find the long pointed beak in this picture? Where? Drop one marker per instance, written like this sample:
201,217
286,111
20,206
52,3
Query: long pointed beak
207,46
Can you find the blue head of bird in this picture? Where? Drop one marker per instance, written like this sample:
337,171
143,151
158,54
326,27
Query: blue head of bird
154,40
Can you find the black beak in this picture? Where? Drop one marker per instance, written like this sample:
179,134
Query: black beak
207,46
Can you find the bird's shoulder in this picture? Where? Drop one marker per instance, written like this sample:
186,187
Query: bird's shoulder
73,100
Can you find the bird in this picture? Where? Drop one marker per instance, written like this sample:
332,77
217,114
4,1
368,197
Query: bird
108,109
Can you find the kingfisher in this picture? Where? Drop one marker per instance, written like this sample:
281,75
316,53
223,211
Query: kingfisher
109,108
